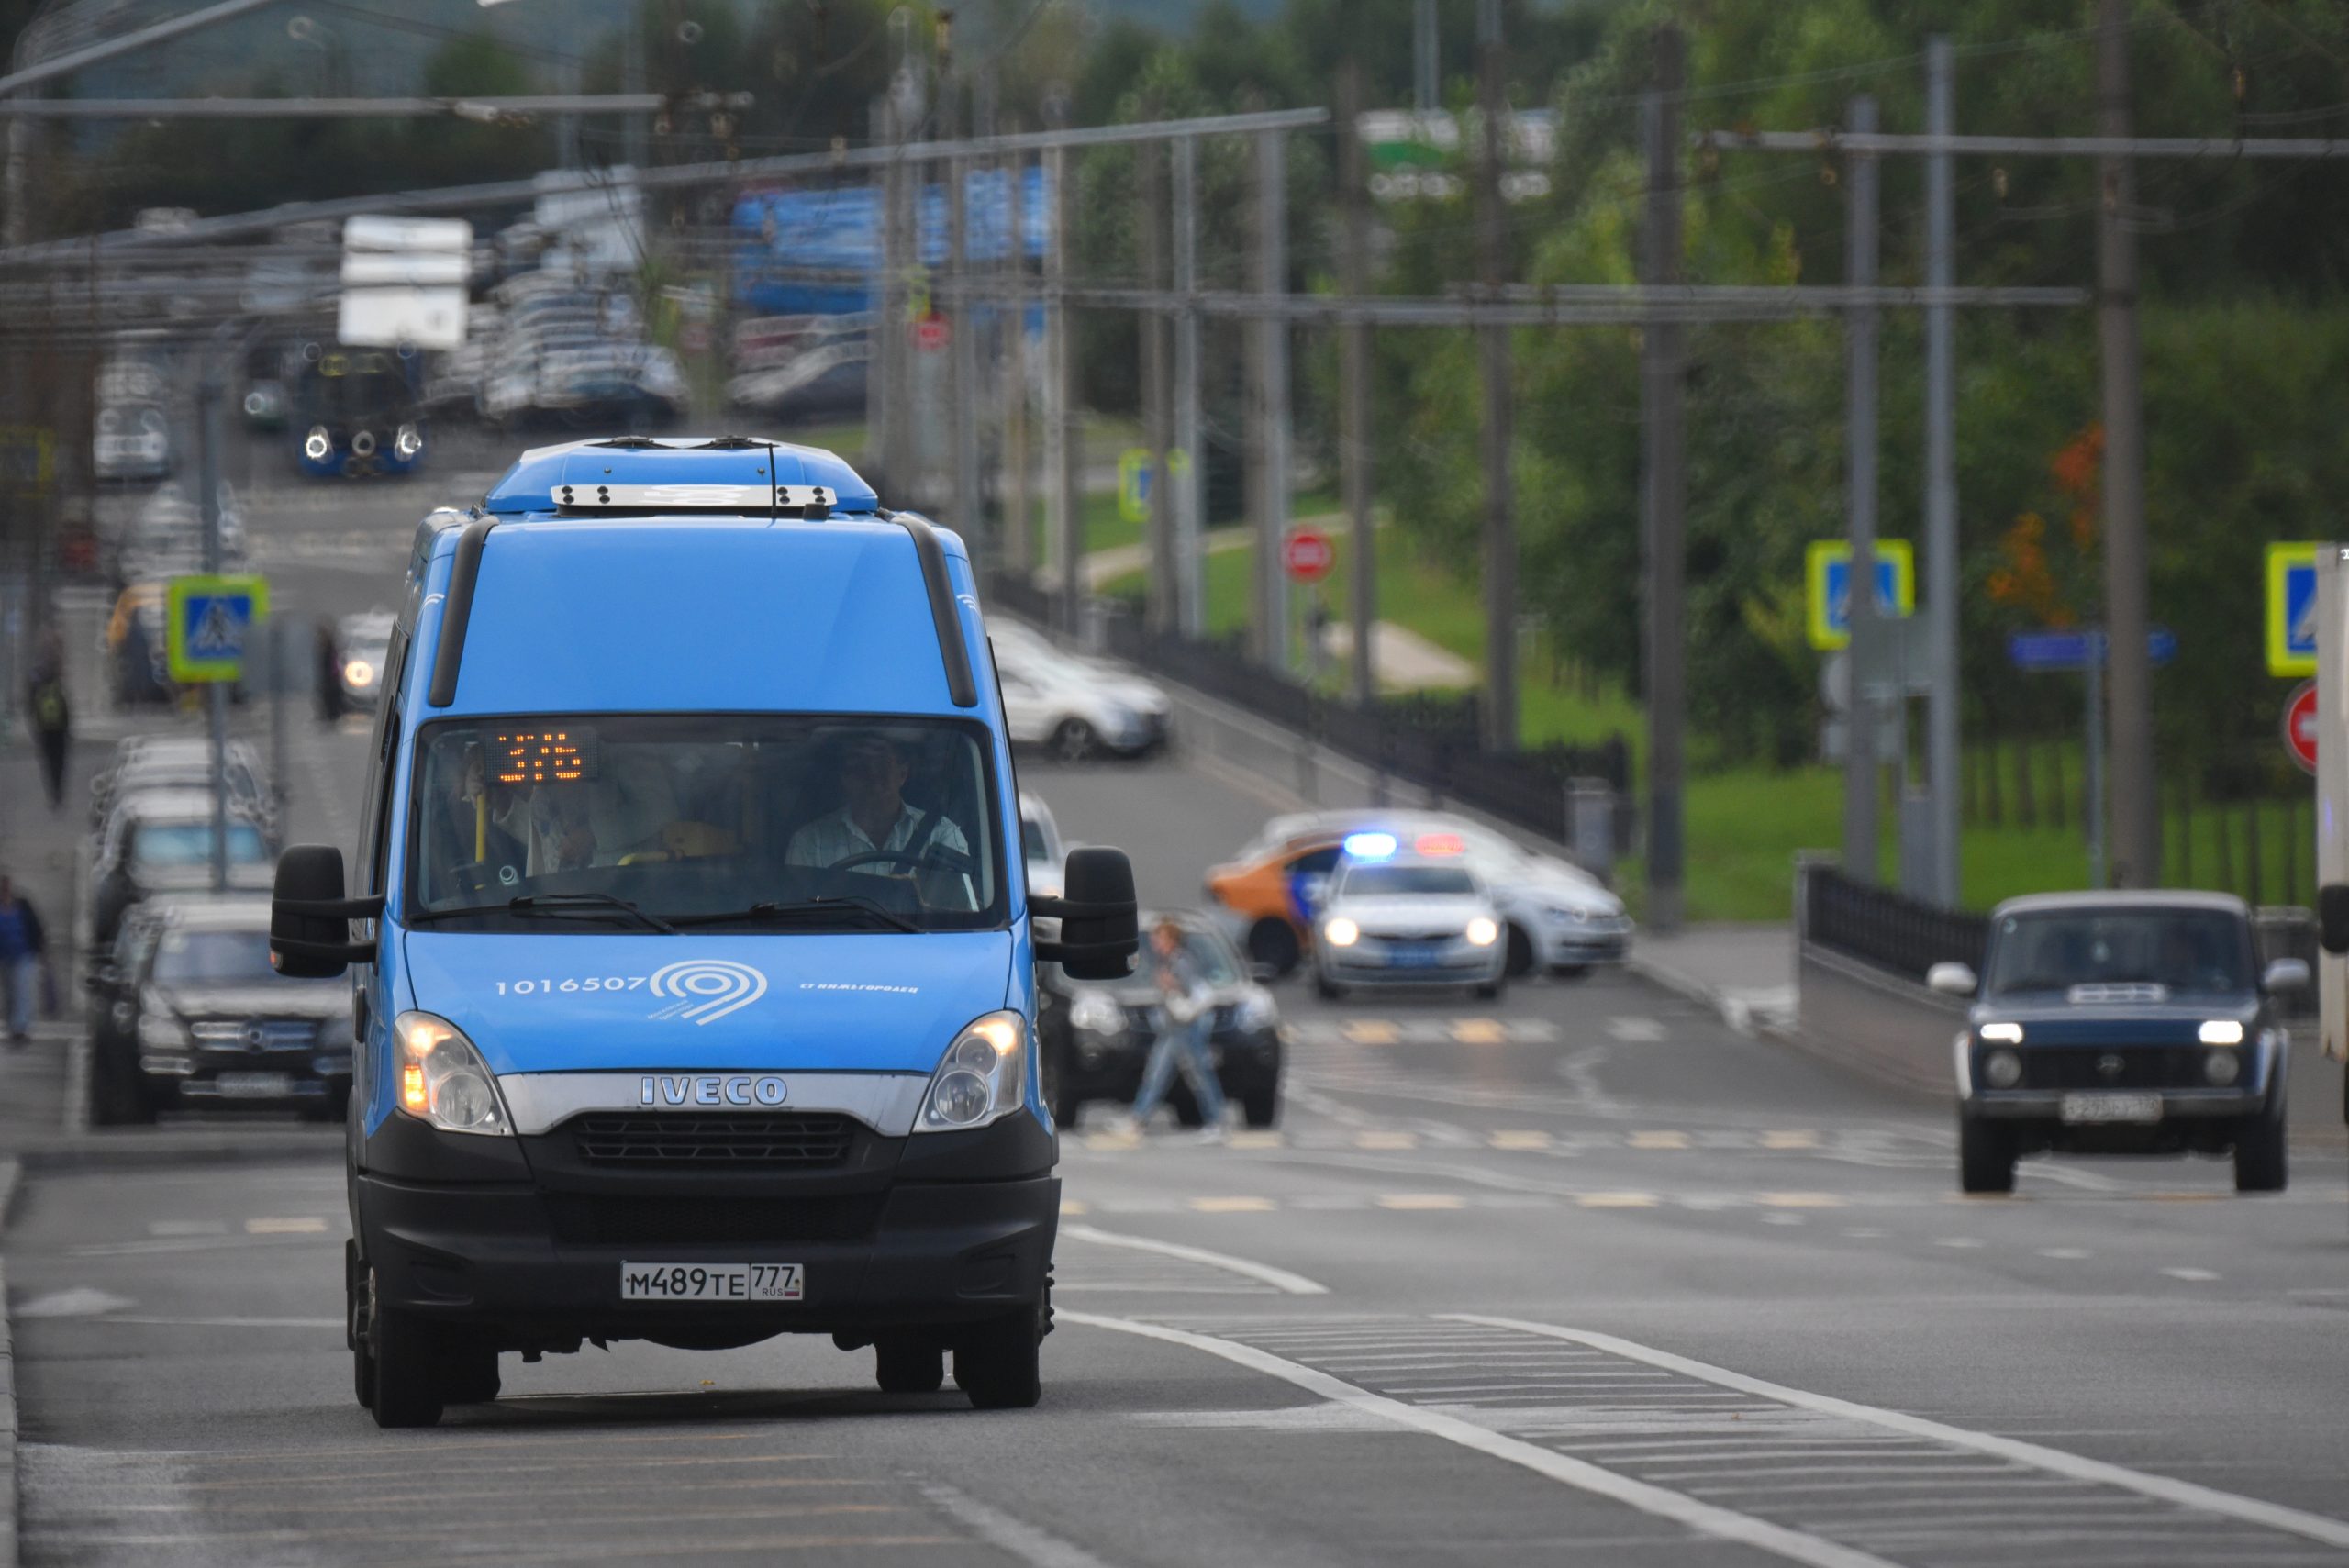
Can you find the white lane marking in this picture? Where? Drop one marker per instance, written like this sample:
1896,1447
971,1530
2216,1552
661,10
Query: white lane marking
1635,1030
232,1322
2079,1467
1709,1518
1279,1279
2064,1254
1038,1548
2191,1275
79,1301
187,1227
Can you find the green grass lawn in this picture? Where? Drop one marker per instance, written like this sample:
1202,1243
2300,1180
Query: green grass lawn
1744,823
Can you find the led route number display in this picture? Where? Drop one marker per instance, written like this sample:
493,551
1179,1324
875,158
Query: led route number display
543,756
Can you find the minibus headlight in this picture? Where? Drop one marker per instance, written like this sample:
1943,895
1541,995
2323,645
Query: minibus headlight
440,1080
408,442
983,1076
318,446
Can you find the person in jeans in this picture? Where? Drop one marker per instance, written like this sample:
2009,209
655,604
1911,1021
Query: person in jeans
1185,1018
22,949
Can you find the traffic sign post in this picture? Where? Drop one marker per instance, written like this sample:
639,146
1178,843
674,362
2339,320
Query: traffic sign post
2299,725
1827,578
2291,609
932,334
1308,555
2082,650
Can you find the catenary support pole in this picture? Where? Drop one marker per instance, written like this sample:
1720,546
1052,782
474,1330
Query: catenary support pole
1862,717
2135,850
1187,464
1018,504
1271,403
1064,518
1162,591
1941,585
966,512
1664,493
1493,341
1355,373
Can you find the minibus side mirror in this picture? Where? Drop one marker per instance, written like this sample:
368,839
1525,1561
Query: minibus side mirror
1099,933
2332,917
309,917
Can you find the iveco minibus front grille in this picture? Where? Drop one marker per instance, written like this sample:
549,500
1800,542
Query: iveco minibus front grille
800,1140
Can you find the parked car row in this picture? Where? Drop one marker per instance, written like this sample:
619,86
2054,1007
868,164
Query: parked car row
185,1009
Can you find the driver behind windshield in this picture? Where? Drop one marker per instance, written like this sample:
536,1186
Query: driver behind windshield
874,816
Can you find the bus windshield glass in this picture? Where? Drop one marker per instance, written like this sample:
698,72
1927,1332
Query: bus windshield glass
722,822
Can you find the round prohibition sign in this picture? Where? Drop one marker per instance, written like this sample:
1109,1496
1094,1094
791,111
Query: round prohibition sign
2299,725
1308,554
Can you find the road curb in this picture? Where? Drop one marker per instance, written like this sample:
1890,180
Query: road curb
9,1496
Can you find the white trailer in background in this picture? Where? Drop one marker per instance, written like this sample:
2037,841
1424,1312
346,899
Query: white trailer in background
2332,801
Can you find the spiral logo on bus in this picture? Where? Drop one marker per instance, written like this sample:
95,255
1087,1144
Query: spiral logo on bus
705,989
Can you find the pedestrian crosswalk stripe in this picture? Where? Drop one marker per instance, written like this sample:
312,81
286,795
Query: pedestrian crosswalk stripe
1658,1141
1801,1200
1421,1200
1257,1141
299,1225
1232,1204
1615,1200
1478,1031
1073,1206
1386,1141
1635,1030
1804,1139
1372,1031
1420,1031
1533,1139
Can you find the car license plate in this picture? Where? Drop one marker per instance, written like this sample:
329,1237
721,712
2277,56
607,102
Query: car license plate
712,1282
1417,955
253,1086
2091,1108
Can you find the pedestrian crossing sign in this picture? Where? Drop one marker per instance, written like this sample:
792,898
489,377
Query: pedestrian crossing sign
209,621
1826,575
2291,609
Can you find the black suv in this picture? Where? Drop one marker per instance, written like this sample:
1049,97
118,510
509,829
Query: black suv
2122,1023
189,1012
1097,1035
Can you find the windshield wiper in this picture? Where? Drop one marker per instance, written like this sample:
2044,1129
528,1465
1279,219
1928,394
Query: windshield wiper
840,904
590,905
587,903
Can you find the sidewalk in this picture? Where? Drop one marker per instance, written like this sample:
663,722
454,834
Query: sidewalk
1747,972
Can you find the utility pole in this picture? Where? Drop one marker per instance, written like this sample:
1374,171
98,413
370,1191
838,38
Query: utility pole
1162,599
1500,504
1861,718
1018,510
1665,492
967,514
1426,65
1272,405
1065,519
877,411
1186,464
1940,882
208,394
2136,816
1353,440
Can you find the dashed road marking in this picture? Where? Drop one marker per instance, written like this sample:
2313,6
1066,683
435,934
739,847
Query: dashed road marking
1259,1139
290,1225
1961,1243
1421,1200
1801,1200
1073,1206
2192,1276
187,1227
1658,1141
1801,1138
1636,1031
1386,1140
2065,1254
1615,1200
1479,1031
1519,1140
1371,1031
1233,1205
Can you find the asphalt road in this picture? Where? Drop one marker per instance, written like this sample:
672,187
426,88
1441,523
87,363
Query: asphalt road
1580,1276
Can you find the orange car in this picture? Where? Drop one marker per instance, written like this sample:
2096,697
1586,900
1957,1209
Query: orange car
1275,888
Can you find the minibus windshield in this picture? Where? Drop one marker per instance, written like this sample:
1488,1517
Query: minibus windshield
718,821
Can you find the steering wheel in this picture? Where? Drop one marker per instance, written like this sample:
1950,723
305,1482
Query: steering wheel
934,854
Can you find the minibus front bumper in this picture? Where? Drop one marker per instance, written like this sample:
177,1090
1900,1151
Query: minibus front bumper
514,1239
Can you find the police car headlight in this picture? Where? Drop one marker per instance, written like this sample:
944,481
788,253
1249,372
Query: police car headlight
2222,1031
1096,1012
2221,1067
983,1076
1256,1011
318,446
441,1079
1483,932
1341,932
2003,1070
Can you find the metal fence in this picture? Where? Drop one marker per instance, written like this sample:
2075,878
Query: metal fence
1886,929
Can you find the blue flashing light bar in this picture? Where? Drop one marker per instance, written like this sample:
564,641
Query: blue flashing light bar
1370,845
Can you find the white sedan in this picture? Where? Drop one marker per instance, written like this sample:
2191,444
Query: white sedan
1074,704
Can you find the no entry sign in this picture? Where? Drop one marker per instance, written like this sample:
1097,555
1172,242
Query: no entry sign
1308,554
2299,725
